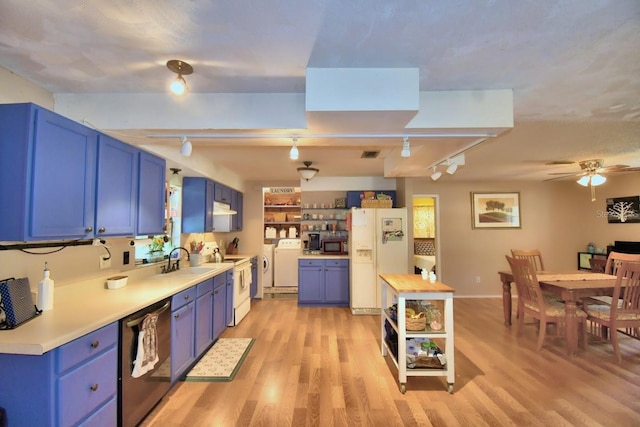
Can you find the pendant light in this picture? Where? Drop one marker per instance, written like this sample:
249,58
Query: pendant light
293,153
175,180
179,85
307,172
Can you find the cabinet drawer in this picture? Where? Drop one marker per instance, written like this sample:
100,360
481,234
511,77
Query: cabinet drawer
87,387
205,287
310,262
219,280
336,263
86,347
182,298
106,416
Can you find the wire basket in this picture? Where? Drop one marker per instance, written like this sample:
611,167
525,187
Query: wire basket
365,203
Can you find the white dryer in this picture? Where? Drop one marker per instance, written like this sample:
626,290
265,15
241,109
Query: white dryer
286,254
267,266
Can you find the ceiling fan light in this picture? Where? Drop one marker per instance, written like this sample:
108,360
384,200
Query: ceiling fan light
186,148
584,181
598,179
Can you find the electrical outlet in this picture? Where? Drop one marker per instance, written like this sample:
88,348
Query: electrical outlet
104,263
477,279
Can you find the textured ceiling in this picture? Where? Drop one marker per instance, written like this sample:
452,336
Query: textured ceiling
574,67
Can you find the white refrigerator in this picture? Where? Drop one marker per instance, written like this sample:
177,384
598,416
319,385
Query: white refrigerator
377,244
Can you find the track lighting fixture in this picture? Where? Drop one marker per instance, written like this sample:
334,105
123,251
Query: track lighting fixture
406,152
293,153
185,149
436,174
179,85
451,167
307,172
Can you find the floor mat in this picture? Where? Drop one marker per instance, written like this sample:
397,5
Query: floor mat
281,290
222,361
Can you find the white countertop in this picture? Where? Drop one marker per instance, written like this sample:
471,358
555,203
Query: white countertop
84,307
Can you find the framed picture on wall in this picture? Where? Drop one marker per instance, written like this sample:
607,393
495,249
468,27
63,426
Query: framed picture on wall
495,210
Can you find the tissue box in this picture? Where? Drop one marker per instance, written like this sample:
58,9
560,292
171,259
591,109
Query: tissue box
116,282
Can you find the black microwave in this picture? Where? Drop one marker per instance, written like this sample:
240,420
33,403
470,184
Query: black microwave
334,246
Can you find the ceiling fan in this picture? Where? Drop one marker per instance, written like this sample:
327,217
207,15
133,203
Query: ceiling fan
591,175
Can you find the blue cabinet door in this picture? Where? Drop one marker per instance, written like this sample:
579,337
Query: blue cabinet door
204,317
151,195
219,310
47,175
311,285
337,285
182,340
222,193
197,205
117,188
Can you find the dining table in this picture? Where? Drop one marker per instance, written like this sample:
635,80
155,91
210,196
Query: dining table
571,287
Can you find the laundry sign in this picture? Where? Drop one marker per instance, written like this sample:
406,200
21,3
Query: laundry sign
282,190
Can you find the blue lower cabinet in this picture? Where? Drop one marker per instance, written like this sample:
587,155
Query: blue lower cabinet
323,282
182,332
220,290
52,389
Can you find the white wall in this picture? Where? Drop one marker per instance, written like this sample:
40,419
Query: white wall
17,89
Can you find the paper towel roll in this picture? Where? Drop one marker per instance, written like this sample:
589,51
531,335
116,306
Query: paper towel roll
140,242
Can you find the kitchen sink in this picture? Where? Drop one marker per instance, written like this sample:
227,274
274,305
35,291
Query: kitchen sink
197,270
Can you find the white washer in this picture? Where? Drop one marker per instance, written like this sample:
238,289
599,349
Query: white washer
267,266
285,270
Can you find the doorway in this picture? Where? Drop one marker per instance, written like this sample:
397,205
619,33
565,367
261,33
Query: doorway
426,244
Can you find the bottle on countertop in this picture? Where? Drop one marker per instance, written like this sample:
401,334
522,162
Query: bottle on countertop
432,277
424,274
45,290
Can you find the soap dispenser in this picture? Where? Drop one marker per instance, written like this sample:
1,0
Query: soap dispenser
45,290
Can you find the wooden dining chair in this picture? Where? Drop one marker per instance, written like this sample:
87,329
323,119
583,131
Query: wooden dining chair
615,260
598,265
625,314
532,302
532,255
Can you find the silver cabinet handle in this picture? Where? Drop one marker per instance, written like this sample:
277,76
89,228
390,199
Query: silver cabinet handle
101,230
94,387
88,229
95,344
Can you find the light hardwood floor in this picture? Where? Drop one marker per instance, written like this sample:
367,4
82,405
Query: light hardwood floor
323,367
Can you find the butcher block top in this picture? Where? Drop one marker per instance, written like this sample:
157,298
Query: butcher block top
407,283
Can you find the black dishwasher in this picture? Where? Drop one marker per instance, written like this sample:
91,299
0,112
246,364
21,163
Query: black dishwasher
139,393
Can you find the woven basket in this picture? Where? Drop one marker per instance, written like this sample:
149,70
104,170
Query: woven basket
279,216
416,324
365,203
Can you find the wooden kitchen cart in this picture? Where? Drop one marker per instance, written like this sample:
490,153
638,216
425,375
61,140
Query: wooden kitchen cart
413,287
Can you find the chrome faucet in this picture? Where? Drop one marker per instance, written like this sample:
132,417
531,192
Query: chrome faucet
168,268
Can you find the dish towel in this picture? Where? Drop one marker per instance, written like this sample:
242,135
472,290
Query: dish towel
147,354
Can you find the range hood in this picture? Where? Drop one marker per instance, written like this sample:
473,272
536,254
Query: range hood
222,209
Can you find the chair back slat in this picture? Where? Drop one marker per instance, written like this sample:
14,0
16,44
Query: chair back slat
627,288
524,275
532,255
615,260
598,265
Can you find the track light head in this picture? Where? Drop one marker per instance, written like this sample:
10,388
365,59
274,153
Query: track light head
406,151
186,148
452,168
294,153
436,174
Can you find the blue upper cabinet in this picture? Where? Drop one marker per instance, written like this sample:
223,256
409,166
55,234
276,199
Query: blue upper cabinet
61,180
197,204
117,188
222,194
151,195
47,175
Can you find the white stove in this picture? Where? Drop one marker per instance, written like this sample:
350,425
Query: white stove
241,287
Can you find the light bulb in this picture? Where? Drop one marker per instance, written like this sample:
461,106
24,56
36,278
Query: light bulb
179,86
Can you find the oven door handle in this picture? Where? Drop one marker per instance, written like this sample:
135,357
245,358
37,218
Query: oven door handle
132,323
